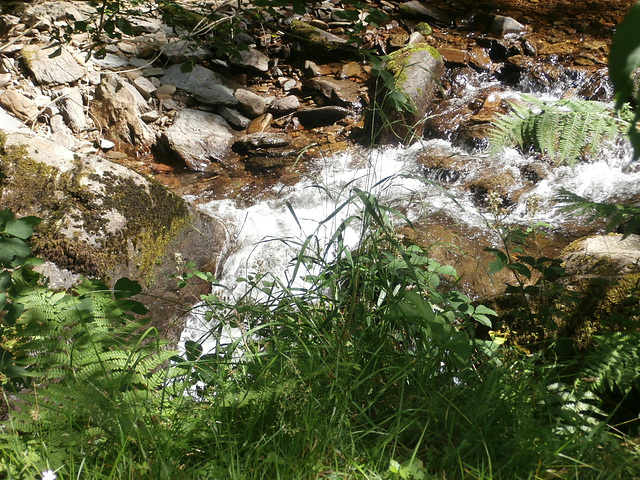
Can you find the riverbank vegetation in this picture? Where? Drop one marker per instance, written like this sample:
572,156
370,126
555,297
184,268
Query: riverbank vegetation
374,367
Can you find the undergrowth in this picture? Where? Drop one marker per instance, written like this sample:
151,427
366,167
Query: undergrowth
376,368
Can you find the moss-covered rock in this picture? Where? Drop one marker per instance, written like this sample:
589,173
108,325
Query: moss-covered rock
101,219
409,84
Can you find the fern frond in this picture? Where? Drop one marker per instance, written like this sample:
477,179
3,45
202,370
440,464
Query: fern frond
565,130
623,217
615,362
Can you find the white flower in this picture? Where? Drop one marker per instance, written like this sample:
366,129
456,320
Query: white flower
49,475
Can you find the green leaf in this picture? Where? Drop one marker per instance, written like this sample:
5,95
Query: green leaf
520,268
124,26
125,288
12,249
193,350
21,228
624,56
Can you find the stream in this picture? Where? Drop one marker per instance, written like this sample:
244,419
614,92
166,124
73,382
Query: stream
436,183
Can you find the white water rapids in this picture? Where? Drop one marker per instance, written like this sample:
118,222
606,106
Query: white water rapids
393,175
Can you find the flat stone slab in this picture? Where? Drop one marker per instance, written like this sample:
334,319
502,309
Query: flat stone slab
205,85
52,70
198,138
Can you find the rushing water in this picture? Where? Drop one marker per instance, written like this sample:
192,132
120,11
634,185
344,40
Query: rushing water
266,233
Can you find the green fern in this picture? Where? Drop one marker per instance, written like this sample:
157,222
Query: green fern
614,363
565,130
619,217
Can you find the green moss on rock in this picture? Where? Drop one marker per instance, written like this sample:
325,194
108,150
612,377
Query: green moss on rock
124,230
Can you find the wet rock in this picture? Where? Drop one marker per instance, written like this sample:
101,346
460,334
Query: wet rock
234,117
444,120
480,59
497,24
51,70
418,10
316,38
502,185
117,108
250,103
260,142
181,51
205,85
603,255
260,124
252,59
454,56
198,138
500,49
282,106
322,116
341,92
524,70
72,109
21,106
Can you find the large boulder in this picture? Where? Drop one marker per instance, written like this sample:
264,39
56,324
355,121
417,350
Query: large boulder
199,138
417,71
101,219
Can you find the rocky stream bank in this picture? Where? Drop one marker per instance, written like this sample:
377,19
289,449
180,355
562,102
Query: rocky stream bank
106,150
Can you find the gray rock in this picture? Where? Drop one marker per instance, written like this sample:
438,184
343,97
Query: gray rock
117,108
72,109
252,59
323,42
54,11
322,116
502,26
340,92
234,117
205,85
498,25
603,255
7,22
261,140
21,106
145,25
198,138
250,103
150,117
145,87
282,106
10,123
57,70
110,60
182,50
60,133
415,9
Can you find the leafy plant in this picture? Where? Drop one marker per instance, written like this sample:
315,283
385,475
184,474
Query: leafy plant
565,130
